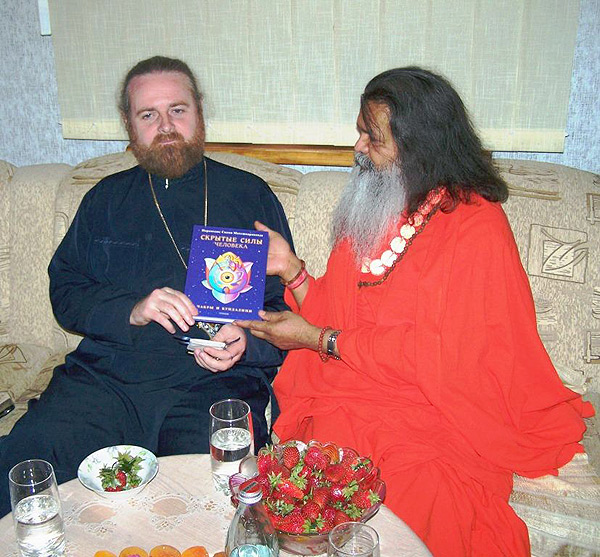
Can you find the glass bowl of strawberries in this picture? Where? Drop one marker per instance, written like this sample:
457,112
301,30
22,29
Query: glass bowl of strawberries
308,488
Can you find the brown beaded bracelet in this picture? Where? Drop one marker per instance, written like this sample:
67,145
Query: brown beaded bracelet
288,282
324,357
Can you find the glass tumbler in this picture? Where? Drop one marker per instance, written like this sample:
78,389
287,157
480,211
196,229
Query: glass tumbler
353,539
36,509
231,439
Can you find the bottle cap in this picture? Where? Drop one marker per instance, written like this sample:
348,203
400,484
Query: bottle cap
250,492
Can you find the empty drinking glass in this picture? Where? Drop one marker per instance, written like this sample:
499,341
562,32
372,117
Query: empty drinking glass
36,509
353,539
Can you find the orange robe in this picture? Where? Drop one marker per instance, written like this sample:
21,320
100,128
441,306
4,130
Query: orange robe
443,381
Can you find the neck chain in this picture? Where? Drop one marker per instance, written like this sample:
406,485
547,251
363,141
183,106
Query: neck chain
386,263
164,221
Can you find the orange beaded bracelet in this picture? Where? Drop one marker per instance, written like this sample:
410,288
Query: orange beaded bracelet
324,357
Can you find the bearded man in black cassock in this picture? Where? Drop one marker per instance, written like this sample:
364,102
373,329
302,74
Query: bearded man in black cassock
117,279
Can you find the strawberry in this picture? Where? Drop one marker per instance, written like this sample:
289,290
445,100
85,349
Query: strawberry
303,471
315,480
341,516
311,510
286,486
266,459
328,516
282,499
362,468
316,458
113,489
122,474
121,478
350,489
293,522
365,499
339,473
350,457
353,511
334,473
280,469
318,525
280,507
274,518
321,496
336,493
290,456
265,484
325,526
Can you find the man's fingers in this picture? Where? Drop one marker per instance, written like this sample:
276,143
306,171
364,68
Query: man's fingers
182,304
252,325
259,334
168,310
262,227
221,362
164,305
164,321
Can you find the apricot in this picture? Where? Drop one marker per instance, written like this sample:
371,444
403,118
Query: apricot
132,551
164,551
104,553
195,551
220,554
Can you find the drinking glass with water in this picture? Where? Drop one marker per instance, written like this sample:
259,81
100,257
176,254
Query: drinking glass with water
36,509
231,439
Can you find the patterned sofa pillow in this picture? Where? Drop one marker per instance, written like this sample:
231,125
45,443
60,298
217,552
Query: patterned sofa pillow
25,370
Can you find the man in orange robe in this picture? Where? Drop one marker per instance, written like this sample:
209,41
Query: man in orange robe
419,345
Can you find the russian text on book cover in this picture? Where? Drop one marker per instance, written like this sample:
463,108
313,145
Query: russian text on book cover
226,273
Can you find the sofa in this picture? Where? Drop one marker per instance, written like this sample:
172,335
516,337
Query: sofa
555,215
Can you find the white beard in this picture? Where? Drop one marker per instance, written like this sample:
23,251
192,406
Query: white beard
370,204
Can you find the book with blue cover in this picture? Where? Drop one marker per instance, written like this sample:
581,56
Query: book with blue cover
227,270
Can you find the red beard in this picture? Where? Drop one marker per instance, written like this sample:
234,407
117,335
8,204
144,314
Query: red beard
172,160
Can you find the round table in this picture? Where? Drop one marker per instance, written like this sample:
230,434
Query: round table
180,507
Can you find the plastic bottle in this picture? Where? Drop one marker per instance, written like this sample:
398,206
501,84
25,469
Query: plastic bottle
251,533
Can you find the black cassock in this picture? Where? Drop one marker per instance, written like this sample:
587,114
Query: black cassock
137,385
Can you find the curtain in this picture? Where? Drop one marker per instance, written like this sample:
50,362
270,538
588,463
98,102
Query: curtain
292,71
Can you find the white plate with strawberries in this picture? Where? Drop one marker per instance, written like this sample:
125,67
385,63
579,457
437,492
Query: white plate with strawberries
310,488
118,472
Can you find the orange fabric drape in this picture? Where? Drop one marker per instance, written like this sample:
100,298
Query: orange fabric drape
443,381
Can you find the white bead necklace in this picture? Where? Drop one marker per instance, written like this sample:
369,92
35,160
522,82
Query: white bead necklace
384,264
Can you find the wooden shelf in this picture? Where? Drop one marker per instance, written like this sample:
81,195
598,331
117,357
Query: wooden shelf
312,155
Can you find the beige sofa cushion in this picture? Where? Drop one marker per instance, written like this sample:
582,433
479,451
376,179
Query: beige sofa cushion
6,172
30,197
554,212
312,228
23,371
284,181
561,511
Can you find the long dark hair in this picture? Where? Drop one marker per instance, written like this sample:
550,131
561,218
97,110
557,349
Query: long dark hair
436,142
157,64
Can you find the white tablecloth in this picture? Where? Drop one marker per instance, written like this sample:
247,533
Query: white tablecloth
180,508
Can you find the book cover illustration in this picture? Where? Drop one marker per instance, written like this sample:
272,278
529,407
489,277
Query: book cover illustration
226,273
